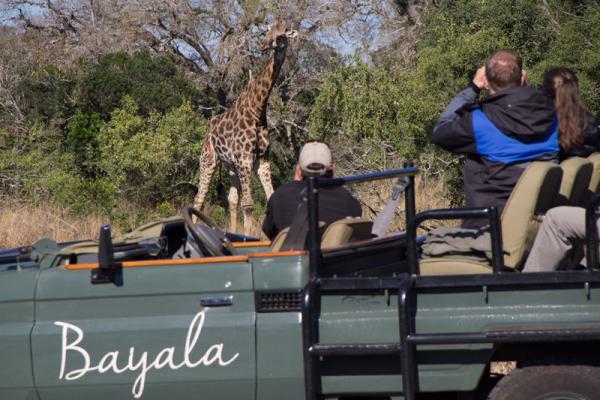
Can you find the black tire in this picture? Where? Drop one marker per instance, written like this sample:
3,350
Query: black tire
549,382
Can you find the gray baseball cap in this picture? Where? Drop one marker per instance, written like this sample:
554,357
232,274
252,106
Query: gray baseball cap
315,158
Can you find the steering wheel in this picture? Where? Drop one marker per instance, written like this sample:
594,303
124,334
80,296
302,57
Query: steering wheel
207,237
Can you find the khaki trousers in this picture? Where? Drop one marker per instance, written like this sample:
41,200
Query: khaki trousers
561,227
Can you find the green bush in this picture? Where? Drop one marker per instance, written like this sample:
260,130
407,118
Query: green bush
47,94
154,83
82,142
152,159
82,196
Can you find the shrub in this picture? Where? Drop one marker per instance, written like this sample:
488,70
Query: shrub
152,159
154,83
82,142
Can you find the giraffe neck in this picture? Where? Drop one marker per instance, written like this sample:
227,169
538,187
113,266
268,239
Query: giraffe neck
259,88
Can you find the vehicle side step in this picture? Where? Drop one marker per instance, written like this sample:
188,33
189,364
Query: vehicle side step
506,336
355,349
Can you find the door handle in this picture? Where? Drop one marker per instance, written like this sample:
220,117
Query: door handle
216,301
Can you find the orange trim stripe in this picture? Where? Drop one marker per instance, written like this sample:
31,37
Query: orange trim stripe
151,263
264,243
207,260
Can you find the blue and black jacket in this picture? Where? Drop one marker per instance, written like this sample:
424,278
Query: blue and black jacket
499,135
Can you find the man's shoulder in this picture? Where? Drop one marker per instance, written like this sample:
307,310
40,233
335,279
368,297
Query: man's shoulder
288,189
343,194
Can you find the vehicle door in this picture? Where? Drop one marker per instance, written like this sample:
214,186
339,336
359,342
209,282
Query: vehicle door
172,330
17,287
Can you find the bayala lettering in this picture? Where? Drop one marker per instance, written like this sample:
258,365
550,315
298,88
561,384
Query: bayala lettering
134,361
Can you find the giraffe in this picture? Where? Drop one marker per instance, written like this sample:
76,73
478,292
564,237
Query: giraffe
239,137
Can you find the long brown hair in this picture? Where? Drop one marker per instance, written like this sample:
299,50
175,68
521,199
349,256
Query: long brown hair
562,86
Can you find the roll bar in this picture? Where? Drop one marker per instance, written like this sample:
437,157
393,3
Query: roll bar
314,183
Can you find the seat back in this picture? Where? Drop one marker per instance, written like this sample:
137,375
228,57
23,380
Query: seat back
594,186
345,231
277,243
577,173
533,195
279,239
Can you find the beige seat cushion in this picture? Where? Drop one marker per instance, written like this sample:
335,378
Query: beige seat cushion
533,195
577,173
279,239
277,243
595,179
345,231
453,266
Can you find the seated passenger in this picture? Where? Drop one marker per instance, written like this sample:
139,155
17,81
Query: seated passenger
578,132
579,136
500,134
334,202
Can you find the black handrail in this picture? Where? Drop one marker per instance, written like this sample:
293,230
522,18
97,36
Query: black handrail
314,235
372,176
491,213
591,229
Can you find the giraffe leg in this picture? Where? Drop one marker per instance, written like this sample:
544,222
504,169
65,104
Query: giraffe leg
245,175
264,169
264,173
233,200
208,163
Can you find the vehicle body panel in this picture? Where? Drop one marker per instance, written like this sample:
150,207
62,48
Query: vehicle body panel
17,289
152,311
279,334
374,319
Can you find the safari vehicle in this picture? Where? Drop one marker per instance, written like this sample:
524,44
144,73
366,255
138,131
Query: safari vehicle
180,310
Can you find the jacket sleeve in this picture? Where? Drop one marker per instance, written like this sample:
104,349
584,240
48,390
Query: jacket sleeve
454,129
591,135
268,226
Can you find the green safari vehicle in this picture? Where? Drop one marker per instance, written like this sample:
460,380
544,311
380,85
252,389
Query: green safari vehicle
179,310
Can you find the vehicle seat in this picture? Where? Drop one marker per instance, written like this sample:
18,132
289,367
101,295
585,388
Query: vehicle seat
277,243
533,195
577,173
279,239
346,231
595,179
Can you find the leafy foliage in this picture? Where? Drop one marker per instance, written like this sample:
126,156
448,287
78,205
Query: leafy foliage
153,82
82,142
47,94
154,158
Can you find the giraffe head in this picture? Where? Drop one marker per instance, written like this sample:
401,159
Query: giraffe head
277,36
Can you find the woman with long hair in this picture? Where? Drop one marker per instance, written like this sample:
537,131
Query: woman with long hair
579,134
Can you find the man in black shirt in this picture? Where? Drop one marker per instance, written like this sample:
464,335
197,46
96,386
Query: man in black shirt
334,203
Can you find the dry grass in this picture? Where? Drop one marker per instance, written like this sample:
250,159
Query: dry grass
24,224
502,367
429,194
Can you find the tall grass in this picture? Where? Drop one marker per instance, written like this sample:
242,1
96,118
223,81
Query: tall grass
24,224
430,194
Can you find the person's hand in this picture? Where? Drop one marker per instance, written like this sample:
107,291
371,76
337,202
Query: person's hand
479,79
524,77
